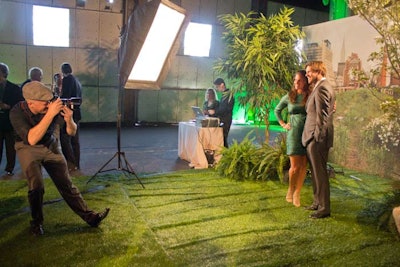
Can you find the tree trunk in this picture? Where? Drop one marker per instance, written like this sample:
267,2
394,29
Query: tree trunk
266,121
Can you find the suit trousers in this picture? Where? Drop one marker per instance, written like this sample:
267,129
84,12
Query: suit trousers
32,158
317,154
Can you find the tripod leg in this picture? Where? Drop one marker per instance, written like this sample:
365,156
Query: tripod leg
102,167
130,169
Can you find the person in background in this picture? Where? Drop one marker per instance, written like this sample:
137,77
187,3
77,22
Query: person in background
295,101
34,74
71,88
10,95
211,102
36,122
318,136
57,87
225,108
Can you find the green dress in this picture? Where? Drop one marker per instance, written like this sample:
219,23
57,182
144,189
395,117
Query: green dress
297,118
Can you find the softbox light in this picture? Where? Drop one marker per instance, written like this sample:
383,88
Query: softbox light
149,42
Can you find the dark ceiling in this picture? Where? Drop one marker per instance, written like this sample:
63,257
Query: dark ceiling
310,4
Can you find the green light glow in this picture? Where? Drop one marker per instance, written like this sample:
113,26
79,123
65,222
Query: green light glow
338,9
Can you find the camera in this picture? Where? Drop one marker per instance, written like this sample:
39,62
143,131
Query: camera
72,103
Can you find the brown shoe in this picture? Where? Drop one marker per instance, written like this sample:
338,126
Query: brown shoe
317,215
312,207
99,217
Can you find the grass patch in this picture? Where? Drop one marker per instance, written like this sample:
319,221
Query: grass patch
197,218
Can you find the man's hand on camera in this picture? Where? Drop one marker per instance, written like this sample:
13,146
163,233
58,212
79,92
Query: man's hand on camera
66,112
55,107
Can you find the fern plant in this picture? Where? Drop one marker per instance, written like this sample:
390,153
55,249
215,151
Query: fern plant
272,161
238,160
246,161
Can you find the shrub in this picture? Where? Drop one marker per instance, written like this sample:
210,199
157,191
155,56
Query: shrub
246,161
238,160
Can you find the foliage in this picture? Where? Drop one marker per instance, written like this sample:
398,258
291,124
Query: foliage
356,142
385,130
238,161
380,213
245,161
261,58
272,161
384,17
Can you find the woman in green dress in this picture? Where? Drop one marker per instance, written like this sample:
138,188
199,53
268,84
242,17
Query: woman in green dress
295,101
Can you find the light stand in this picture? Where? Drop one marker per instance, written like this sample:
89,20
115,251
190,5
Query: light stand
149,41
126,168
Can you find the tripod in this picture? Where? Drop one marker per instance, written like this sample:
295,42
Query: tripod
119,154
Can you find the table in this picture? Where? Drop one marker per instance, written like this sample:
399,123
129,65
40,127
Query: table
193,140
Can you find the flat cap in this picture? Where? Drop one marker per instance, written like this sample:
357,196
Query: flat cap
218,81
37,91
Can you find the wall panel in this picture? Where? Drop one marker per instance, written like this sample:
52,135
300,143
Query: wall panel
15,58
109,30
13,23
87,28
187,72
108,103
148,105
89,107
39,56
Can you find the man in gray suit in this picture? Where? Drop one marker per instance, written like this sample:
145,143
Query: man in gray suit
318,136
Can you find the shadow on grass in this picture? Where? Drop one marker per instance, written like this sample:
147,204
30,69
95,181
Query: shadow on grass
197,218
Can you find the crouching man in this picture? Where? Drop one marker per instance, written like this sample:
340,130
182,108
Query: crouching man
37,121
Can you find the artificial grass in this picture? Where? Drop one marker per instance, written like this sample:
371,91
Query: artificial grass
196,218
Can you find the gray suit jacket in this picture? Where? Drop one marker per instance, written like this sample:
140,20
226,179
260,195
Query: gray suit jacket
320,109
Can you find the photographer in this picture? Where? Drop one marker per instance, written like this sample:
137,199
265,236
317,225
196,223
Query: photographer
71,88
36,122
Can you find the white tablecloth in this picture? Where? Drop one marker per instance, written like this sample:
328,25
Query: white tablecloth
192,141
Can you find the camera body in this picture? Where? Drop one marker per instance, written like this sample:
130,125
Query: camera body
72,103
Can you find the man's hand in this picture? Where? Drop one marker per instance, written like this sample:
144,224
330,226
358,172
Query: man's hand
4,106
55,107
67,113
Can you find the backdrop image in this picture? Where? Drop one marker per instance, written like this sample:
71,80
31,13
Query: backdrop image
344,46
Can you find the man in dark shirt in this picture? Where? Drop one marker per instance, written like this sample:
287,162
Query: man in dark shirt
71,88
10,94
37,122
225,108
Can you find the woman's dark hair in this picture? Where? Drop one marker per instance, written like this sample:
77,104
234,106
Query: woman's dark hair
304,91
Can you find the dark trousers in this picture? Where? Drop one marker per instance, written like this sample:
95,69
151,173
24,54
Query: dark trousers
317,154
32,158
225,129
7,138
71,147
76,147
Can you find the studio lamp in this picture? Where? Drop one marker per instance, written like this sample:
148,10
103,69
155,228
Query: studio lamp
149,42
